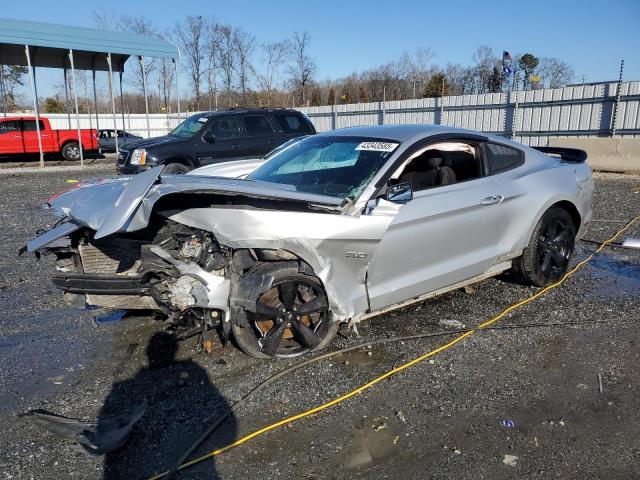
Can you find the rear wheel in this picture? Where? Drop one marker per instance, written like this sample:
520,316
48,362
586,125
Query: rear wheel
546,258
71,151
176,169
291,318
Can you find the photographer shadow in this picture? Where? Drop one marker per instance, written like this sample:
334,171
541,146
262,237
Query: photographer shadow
181,403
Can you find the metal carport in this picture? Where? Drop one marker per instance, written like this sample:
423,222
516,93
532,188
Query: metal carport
36,44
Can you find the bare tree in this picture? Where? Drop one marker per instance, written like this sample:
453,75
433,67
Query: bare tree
191,36
105,19
227,57
303,67
275,56
244,45
141,26
484,60
213,46
554,72
420,67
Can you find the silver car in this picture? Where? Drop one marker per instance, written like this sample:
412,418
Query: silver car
338,227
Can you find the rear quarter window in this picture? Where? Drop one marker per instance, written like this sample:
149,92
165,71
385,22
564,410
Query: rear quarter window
502,158
292,123
256,125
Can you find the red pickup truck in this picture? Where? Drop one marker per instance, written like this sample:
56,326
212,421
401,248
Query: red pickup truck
18,135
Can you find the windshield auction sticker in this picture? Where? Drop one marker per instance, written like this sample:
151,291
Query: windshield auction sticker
377,146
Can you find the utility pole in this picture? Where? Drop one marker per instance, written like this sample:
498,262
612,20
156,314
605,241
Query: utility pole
614,115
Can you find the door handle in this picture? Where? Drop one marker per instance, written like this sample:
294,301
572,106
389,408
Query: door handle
235,146
17,136
492,200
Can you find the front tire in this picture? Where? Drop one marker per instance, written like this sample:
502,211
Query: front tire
71,151
546,259
175,169
292,318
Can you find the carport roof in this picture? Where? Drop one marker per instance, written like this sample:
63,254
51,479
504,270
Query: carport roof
50,44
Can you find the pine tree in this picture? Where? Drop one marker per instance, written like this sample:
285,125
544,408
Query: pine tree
495,80
364,95
316,97
437,86
332,96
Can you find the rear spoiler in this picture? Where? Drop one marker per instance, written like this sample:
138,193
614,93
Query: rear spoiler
573,155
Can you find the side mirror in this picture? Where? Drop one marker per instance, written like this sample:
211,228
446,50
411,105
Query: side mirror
209,136
400,193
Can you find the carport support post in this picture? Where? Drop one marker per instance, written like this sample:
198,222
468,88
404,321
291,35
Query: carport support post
66,97
75,101
95,100
175,67
34,92
120,72
113,100
144,90
2,92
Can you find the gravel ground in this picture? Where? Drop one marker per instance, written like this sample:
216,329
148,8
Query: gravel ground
439,419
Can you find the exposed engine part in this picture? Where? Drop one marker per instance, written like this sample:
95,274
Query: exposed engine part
192,248
186,292
195,287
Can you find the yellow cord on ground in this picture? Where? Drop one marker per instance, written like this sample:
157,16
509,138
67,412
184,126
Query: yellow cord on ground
402,367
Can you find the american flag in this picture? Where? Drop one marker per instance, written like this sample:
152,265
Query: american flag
506,63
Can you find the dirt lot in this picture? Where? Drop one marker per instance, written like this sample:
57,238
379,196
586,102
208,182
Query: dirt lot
440,419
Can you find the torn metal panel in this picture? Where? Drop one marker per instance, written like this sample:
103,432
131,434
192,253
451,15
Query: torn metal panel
52,235
322,240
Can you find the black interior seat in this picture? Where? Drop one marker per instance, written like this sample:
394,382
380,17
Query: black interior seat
424,173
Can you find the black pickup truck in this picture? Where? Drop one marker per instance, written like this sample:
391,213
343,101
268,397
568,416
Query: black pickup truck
215,137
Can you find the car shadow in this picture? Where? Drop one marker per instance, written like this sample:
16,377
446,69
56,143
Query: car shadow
181,403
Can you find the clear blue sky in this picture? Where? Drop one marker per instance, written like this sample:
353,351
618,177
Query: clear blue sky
590,35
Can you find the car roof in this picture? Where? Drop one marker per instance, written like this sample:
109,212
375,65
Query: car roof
399,133
246,110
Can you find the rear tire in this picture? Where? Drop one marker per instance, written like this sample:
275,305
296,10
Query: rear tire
546,259
176,169
71,151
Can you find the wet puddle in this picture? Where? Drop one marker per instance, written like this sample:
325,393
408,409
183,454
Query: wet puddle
39,362
372,440
616,276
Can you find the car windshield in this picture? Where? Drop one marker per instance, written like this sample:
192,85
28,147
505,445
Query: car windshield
335,166
189,127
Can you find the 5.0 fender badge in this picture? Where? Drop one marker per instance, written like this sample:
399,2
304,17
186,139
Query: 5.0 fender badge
356,254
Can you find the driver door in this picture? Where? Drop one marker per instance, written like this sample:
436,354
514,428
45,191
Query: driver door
442,236
227,145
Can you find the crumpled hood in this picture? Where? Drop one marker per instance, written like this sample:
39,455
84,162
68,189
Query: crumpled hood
116,204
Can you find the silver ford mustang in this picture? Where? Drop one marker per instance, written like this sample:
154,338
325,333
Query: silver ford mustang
337,227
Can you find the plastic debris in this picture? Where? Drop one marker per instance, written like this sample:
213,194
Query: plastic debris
451,323
401,416
99,437
208,346
73,180
507,423
111,316
510,460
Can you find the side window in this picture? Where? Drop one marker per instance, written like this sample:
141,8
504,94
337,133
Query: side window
120,134
224,128
256,125
502,158
292,123
30,125
440,164
9,126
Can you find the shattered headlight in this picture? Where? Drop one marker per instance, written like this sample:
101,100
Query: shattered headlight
138,157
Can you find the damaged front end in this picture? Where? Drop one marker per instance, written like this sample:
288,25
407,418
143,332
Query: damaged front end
137,252
174,269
